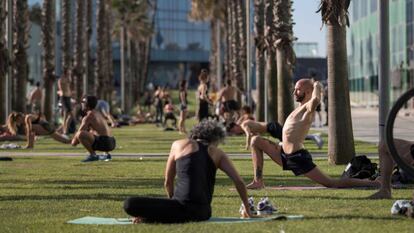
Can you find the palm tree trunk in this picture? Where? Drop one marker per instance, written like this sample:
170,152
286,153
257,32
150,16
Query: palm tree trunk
285,57
341,139
110,65
271,68
272,88
236,46
101,51
89,65
260,58
241,15
21,39
228,33
213,50
66,34
48,44
3,63
79,49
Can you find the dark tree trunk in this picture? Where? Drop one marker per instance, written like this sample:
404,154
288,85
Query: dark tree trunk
3,63
259,17
78,69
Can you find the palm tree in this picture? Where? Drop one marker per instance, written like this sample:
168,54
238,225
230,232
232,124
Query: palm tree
78,66
101,50
20,44
109,77
66,34
341,140
271,69
48,55
241,24
3,62
285,57
89,65
259,18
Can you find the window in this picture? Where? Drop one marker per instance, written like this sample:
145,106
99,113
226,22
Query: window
374,5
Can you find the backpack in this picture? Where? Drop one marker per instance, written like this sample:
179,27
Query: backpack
400,176
360,167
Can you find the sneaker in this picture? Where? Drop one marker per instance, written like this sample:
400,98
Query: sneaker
251,207
318,140
91,158
105,157
264,207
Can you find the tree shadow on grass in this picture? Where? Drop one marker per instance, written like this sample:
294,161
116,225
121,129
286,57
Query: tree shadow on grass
353,217
75,197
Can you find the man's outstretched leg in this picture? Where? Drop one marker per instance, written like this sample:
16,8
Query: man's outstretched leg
258,146
319,177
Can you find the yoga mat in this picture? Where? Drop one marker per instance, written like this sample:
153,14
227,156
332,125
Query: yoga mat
295,188
125,221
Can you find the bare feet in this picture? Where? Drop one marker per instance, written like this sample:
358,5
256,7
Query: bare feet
381,194
136,220
255,185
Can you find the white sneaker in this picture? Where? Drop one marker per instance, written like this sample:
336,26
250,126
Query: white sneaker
264,207
251,207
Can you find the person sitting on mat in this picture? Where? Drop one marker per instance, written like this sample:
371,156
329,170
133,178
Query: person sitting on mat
32,125
194,161
291,154
406,150
94,133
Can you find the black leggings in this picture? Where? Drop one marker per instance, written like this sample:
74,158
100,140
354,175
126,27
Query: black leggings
162,210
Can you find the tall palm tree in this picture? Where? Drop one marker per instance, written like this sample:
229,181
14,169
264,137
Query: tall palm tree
285,57
109,77
89,65
78,66
271,68
101,50
20,44
3,62
259,17
48,55
66,34
341,140
242,55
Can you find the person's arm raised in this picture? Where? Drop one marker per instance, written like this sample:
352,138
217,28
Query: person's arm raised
170,172
316,97
227,167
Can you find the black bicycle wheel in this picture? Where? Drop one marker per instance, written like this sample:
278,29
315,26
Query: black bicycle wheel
389,131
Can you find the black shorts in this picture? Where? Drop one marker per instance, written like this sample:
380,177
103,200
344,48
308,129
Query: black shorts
66,105
274,129
104,143
299,162
231,105
318,108
183,107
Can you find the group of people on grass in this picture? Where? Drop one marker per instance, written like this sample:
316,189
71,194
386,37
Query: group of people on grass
194,161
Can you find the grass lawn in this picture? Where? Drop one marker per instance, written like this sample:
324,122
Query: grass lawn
39,194
147,138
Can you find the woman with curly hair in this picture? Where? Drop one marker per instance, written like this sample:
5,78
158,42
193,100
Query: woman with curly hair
194,161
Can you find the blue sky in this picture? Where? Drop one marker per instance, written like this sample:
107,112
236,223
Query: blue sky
308,23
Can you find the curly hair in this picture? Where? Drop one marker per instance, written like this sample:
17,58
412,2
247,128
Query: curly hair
209,131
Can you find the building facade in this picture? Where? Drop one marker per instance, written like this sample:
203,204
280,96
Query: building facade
363,49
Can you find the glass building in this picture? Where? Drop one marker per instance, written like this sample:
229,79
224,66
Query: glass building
363,49
180,47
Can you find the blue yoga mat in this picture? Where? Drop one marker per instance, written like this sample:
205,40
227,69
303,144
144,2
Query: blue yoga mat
125,221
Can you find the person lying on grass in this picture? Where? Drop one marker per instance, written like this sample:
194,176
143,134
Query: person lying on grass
291,154
194,161
32,125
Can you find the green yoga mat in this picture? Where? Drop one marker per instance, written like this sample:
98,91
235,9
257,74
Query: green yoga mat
124,221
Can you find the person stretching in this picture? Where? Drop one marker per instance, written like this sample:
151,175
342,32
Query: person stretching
94,133
291,154
194,161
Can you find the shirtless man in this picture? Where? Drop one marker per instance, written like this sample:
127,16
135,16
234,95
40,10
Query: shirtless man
94,133
35,99
291,154
406,150
227,98
65,93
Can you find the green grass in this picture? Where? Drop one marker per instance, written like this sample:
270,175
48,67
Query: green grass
39,194
147,138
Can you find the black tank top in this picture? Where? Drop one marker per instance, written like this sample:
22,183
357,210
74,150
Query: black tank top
196,176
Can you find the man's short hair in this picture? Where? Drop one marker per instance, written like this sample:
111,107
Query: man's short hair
37,84
90,101
228,82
